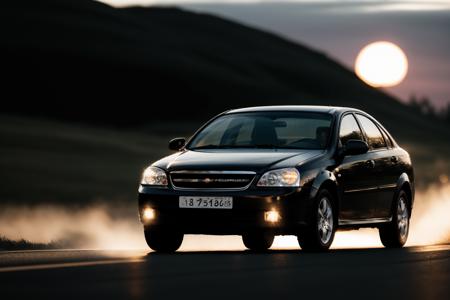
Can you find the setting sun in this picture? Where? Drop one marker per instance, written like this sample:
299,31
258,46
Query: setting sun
381,64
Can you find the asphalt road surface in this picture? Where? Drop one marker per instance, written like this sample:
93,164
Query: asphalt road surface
408,273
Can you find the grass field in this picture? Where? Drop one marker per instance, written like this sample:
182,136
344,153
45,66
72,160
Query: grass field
53,162
47,161
9,245
71,185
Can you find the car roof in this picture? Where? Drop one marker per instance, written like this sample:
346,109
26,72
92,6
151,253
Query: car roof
299,108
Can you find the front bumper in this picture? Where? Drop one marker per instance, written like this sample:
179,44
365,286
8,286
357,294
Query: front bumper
246,215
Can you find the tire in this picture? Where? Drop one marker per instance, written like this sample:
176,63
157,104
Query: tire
163,240
395,233
258,241
319,234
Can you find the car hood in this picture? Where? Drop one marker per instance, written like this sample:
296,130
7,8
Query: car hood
233,159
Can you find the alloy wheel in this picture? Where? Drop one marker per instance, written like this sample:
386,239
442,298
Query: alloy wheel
325,220
402,218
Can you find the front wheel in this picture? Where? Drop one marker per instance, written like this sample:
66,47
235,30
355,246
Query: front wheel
395,233
258,241
161,240
319,234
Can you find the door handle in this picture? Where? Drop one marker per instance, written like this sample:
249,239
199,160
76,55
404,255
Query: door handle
394,159
370,163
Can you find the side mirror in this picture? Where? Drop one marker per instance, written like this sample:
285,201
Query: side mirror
177,144
355,147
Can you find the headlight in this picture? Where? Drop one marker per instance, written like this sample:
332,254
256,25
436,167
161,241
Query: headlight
289,177
154,176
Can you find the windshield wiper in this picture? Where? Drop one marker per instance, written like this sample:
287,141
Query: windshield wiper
271,146
206,147
265,146
217,147
258,146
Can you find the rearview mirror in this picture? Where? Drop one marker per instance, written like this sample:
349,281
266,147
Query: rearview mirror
280,124
355,147
177,144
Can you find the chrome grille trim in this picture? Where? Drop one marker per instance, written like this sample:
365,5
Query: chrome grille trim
216,180
223,180
214,172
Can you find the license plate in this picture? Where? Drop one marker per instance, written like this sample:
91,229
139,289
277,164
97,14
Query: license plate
206,202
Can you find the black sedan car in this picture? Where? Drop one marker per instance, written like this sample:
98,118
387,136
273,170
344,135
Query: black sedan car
280,170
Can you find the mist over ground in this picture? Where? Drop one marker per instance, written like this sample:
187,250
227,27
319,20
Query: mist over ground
100,227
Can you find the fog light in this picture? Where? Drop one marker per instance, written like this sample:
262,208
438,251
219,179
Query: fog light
148,214
272,216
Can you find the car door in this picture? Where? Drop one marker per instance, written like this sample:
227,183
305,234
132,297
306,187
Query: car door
354,176
390,175
381,157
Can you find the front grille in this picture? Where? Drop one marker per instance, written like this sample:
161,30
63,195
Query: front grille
211,179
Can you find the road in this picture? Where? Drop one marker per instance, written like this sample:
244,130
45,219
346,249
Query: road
408,273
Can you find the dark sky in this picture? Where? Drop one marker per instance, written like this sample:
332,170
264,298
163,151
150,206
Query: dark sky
341,28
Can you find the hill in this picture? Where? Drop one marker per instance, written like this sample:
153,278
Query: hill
45,161
144,75
77,59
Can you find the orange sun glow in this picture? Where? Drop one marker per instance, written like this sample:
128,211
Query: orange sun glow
381,64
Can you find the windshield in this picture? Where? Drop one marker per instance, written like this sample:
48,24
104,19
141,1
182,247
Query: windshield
290,130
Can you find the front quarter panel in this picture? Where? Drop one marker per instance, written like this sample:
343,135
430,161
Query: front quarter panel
314,175
165,162
323,177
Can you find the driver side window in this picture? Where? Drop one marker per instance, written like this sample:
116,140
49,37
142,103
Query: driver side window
349,130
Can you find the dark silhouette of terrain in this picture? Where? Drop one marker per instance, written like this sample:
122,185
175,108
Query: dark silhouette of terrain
86,61
10,245
82,63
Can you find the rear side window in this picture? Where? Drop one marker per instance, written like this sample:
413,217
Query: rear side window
349,130
374,137
386,138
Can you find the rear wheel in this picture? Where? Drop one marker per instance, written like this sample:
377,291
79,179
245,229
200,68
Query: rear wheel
258,241
319,234
161,240
395,233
